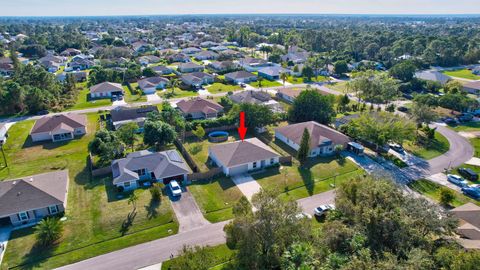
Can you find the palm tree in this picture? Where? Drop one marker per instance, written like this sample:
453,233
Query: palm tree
133,201
49,230
260,79
284,77
173,84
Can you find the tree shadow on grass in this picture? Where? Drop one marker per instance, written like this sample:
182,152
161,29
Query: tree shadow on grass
152,208
307,179
127,223
36,255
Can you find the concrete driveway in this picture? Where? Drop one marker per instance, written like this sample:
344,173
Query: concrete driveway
119,103
188,213
153,97
4,236
247,185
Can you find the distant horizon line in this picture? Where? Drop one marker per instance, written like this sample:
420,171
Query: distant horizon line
465,15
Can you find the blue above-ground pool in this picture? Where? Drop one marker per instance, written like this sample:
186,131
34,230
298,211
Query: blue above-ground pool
218,136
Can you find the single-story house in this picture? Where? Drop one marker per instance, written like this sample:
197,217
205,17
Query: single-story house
151,84
141,46
288,94
190,67
219,48
433,75
70,52
472,87
208,44
178,57
242,156
191,50
3,133
197,79
6,69
296,57
120,115
230,54
345,120
241,76
80,64
223,66
323,139
254,64
51,66
29,199
105,89
146,167
206,55
199,108
60,127
256,97
78,76
272,73
148,59
162,70
469,225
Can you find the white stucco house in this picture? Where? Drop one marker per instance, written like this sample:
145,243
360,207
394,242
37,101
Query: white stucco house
152,84
323,139
105,90
243,156
59,127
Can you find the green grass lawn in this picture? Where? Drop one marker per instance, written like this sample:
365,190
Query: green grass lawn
435,148
131,95
294,182
338,86
265,84
476,146
300,80
84,103
432,190
468,126
95,216
462,73
223,88
216,197
217,255
177,93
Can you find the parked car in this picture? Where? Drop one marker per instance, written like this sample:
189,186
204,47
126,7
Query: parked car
402,109
243,85
465,117
457,180
42,112
120,97
468,173
473,192
396,147
449,121
114,98
323,209
175,188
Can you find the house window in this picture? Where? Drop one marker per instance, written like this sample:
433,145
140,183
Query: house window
23,216
254,165
272,160
126,184
53,209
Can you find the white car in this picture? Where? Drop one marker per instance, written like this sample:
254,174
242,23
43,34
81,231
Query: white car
323,209
457,180
175,188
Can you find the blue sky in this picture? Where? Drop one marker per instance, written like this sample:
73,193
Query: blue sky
151,7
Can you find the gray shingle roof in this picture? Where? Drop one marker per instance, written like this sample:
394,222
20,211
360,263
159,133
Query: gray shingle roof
33,192
198,105
238,153
163,164
151,82
106,87
319,134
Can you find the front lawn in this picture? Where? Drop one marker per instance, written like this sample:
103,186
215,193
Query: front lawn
83,101
476,146
96,218
216,197
339,87
301,80
434,148
131,94
265,84
468,126
216,88
462,73
294,182
432,190
177,93
217,256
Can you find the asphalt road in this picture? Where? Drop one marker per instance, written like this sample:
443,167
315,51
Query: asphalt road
157,251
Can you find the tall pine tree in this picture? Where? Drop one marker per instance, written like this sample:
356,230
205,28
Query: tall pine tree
304,147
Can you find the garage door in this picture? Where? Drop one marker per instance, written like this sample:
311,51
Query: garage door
238,170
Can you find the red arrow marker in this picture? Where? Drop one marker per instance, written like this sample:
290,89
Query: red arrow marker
242,130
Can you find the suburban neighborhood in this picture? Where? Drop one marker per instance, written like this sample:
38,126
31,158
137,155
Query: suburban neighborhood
240,142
